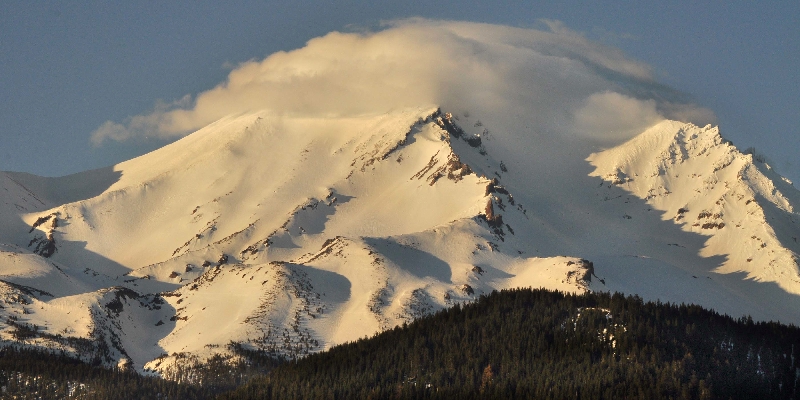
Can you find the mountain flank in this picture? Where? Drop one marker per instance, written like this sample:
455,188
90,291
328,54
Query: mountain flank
286,235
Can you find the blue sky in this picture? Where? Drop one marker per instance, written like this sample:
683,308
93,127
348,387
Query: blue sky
68,67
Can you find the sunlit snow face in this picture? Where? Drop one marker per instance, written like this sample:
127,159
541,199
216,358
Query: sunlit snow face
557,80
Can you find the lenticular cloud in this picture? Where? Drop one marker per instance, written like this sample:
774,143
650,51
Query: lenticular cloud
557,80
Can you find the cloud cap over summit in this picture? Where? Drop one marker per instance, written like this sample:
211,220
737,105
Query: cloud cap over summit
559,80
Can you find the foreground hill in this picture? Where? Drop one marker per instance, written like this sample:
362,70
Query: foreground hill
546,345
512,344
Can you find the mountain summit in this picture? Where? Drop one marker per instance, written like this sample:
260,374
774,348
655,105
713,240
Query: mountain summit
289,234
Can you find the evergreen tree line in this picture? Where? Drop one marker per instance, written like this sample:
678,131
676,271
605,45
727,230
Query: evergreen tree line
517,343
541,344
33,374
42,375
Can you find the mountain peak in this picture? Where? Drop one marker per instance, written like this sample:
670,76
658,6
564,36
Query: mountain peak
707,186
289,234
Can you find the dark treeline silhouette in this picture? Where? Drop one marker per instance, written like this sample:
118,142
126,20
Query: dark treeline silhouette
31,374
540,344
35,374
517,343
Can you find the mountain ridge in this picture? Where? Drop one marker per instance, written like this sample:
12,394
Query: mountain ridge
292,234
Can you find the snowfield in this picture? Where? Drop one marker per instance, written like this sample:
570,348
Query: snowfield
291,234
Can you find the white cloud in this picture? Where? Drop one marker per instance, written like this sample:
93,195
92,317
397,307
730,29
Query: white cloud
559,79
688,112
613,116
140,125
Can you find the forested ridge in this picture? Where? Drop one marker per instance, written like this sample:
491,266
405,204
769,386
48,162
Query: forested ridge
41,375
517,343
31,374
547,345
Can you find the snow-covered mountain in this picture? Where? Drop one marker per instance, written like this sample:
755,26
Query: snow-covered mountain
291,234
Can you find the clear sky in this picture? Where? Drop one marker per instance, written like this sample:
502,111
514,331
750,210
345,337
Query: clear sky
66,68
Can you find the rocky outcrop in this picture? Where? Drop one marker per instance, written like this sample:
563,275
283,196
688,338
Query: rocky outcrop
45,246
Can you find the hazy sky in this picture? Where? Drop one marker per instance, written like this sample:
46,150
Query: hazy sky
68,68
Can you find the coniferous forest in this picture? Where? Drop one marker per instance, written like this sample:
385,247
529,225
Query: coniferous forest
518,343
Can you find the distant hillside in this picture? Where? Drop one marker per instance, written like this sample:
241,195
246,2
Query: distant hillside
540,344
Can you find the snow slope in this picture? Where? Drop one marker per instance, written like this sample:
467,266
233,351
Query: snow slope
284,234
293,233
742,210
